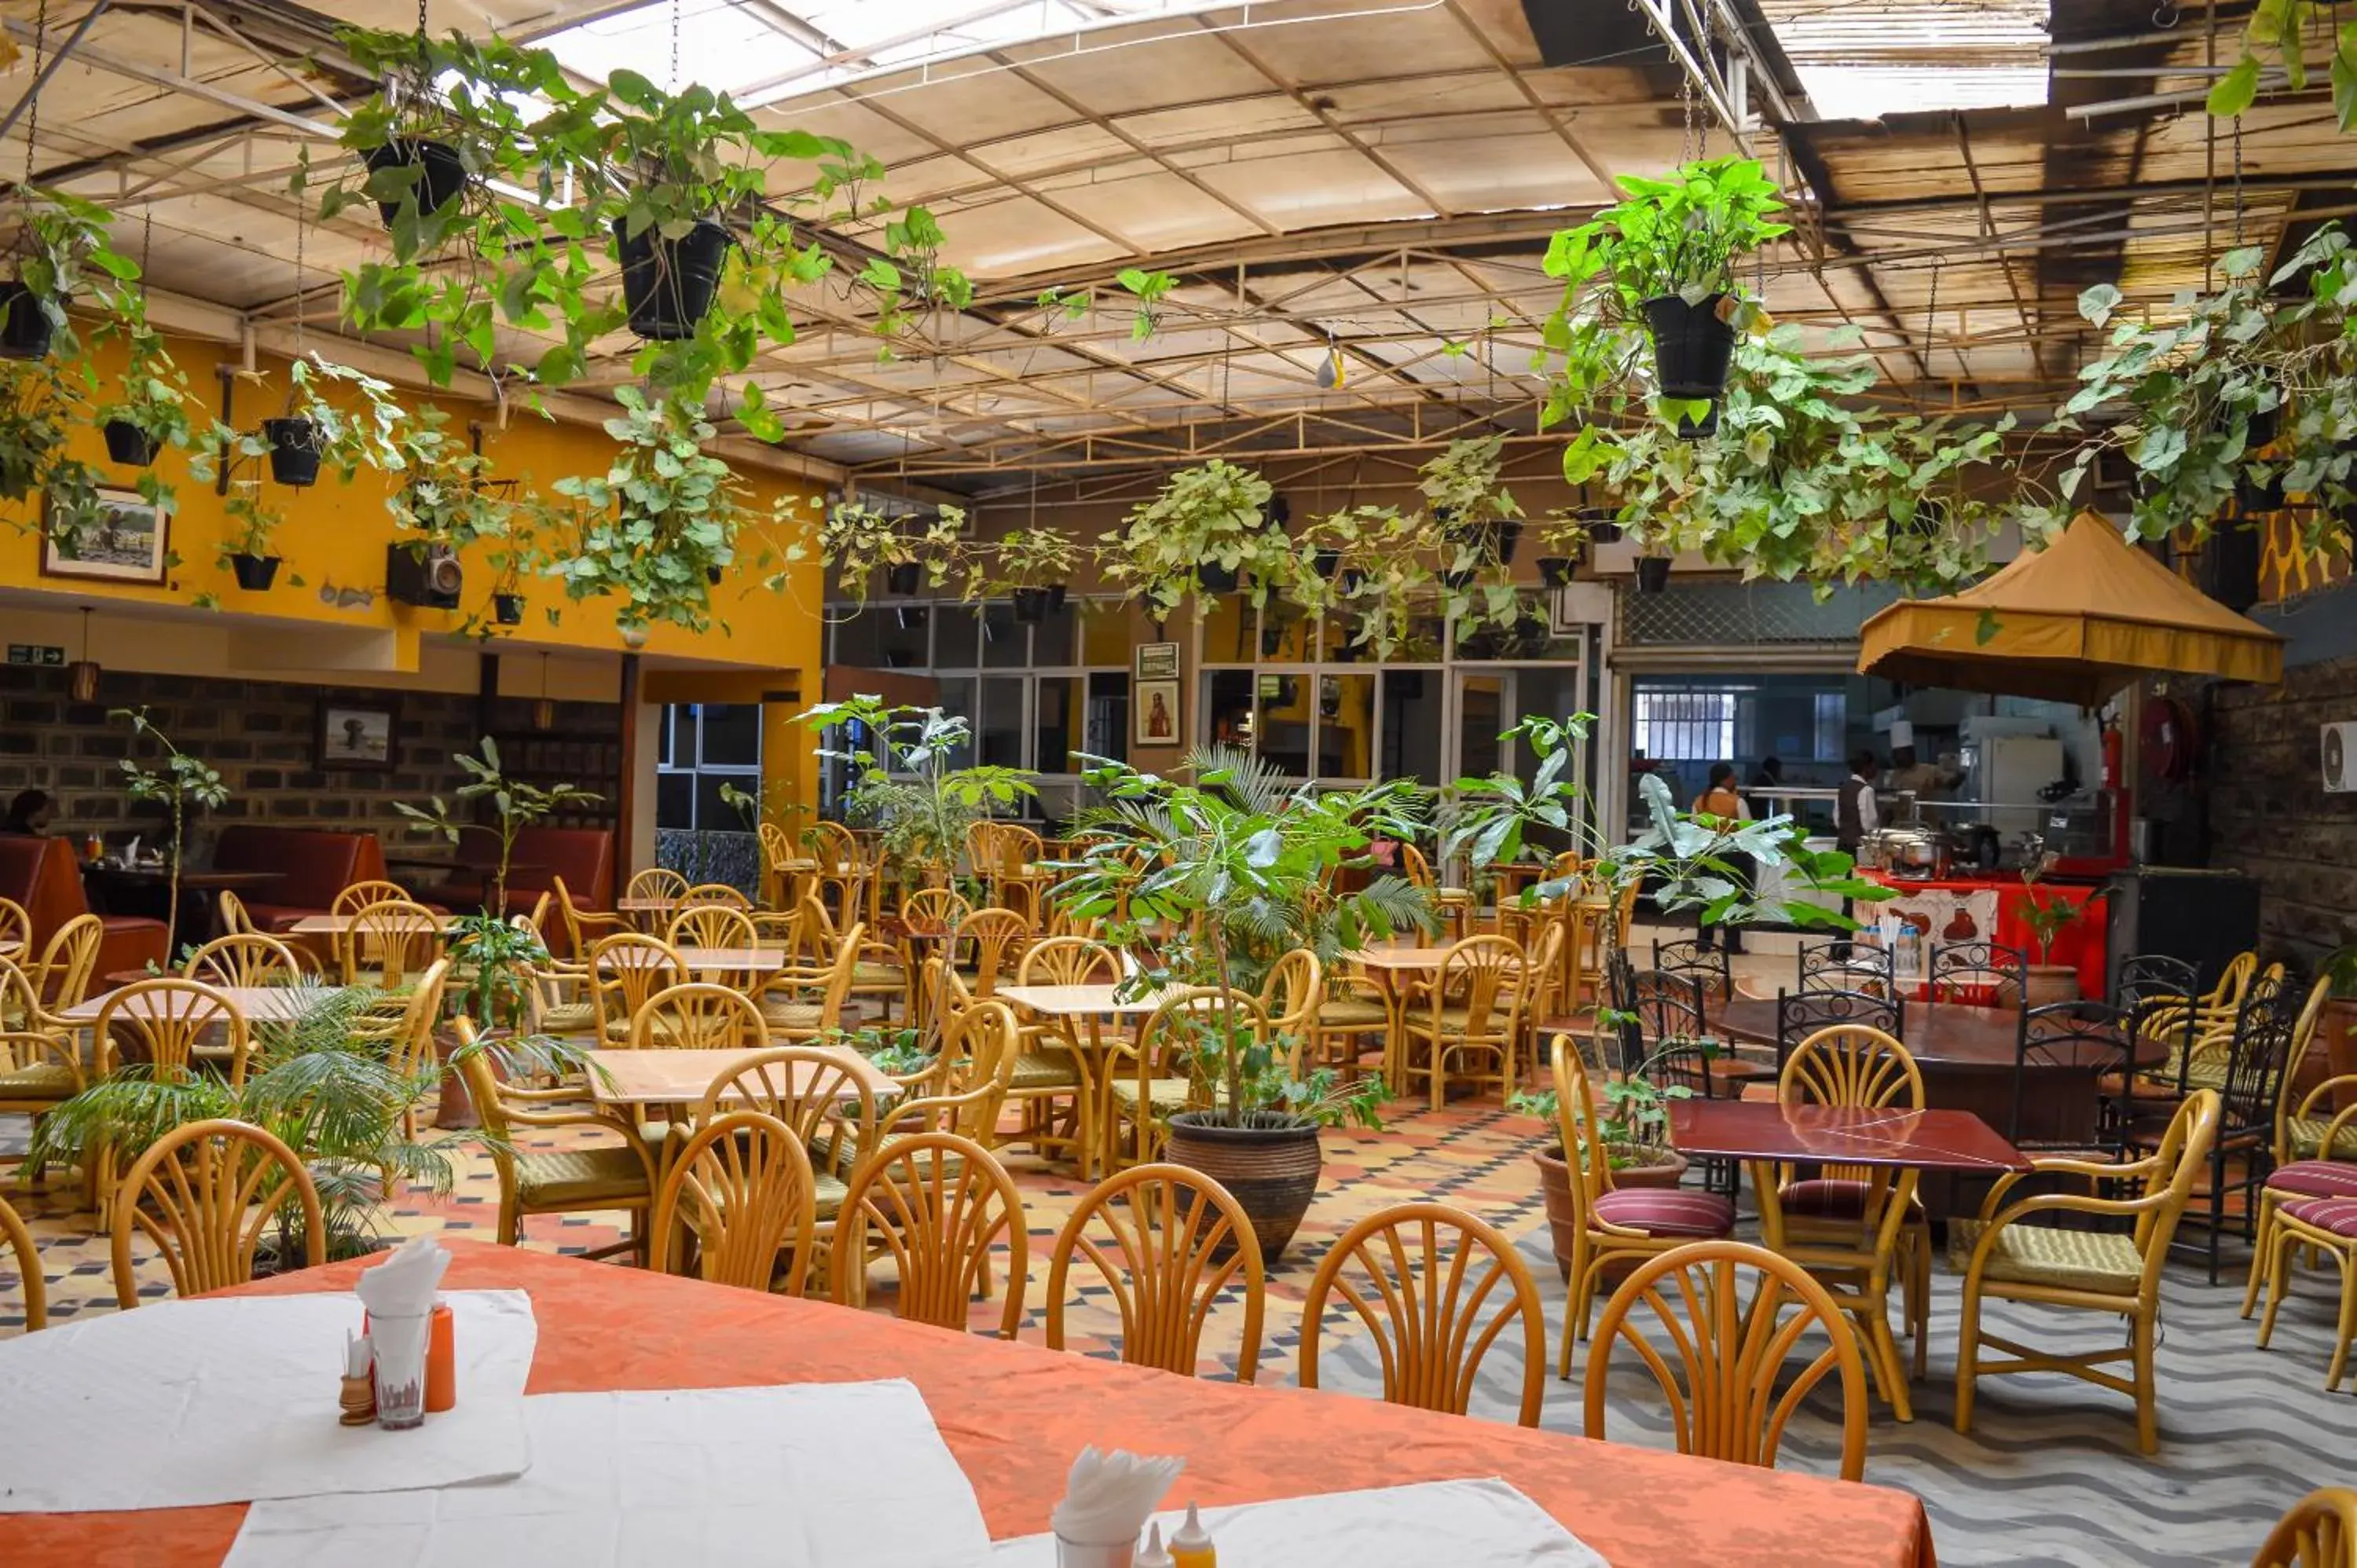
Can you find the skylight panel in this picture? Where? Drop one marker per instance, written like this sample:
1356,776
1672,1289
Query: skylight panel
1860,59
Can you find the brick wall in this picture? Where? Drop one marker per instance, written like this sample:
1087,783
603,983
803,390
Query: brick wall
2269,814
258,734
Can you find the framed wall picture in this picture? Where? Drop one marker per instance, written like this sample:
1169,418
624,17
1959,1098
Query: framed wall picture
125,541
1158,661
357,734
1156,704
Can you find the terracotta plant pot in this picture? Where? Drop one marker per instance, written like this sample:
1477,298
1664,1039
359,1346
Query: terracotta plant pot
2051,982
1555,1191
1649,1167
1271,1171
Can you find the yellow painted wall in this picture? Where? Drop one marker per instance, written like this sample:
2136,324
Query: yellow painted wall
336,536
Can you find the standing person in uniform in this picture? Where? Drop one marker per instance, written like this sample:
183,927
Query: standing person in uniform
1855,816
1721,799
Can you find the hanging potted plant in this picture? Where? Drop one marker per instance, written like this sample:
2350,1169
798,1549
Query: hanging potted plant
1217,877
38,406
1566,536
152,411
1200,536
683,153
1476,515
59,245
855,539
1666,256
245,551
1030,564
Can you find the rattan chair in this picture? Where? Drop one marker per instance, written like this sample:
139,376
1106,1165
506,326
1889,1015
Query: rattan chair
624,971
935,1204
1150,1080
205,1193
720,894
1855,1226
244,959
1172,1242
1613,1225
355,896
1730,1346
698,1016
171,1024
988,943
575,1180
1436,1288
1474,1008
802,1001
16,931
41,1067
233,918
742,1185
2114,1273
69,962
711,925
30,1283
1050,1073
2320,1531
386,944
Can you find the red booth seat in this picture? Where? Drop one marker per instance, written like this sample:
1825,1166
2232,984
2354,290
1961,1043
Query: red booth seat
313,864
43,875
583,856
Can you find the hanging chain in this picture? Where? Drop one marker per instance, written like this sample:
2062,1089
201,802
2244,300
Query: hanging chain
300,230
33,114
674,45
1686,104
2238,181
421,23
1932,314
146,243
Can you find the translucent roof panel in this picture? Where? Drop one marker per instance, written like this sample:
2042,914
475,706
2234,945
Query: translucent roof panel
1861,60
760,50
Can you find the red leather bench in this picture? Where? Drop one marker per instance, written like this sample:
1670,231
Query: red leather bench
314,865
43,875
583,856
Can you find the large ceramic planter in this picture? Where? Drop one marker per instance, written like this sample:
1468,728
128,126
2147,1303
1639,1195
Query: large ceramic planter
1271,1171
1692,347
1663,1168
2048,983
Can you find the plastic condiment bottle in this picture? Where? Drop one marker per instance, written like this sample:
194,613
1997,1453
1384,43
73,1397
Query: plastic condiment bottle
1153,1556
1192,1547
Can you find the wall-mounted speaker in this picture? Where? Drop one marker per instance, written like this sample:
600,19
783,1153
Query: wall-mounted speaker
427,575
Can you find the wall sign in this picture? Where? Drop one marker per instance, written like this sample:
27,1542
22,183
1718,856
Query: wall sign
36,653
1158,661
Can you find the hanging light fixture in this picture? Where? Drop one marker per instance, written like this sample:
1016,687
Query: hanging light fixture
1330,371
81,675
543,712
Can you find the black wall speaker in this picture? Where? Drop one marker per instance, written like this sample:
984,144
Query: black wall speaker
425,575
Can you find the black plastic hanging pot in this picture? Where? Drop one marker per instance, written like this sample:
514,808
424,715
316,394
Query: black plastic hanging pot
1326,564
1215,578
24,334
1459,581
1692,429
1506,536
669,284
903,576
2256,496
126,443
1057,593
1692,346
1603,524
507,609
712,575
253,573
1556,571
293,450
1652,574
1351,581
441,179
1030,605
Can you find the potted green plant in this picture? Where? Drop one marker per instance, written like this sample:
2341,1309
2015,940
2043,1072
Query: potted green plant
1633,1122
1200,534
1218,875
2048,917
495,957
855,539
152,411
906,783
1030,563
179,783
1476,516
1668,254
60,247
1566,536
254,524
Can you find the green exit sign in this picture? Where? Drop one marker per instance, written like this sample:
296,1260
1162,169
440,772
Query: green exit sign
35,653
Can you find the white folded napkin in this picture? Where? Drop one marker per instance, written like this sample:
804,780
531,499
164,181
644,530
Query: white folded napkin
1109,1496
403,1284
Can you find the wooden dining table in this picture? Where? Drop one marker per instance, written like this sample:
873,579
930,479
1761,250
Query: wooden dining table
260,1004
1014,1416
1079,1012
669,1080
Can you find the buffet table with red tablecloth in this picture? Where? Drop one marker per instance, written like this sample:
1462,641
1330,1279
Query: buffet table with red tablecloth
1990,909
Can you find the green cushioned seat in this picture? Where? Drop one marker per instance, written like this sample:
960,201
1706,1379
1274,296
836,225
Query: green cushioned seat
1052,1069
879,974
2101,1261
1169,1093
2306,1135
41,1080
579,1177
1351,1013
569,1018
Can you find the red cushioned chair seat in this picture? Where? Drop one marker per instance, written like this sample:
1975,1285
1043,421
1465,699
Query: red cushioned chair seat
2314,1178
2337,1215
1667,1211
1826,1197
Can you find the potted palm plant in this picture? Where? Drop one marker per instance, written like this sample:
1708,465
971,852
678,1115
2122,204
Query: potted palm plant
1219,876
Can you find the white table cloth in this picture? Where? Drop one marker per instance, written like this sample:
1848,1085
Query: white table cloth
179,1403
809,1476
1460,1524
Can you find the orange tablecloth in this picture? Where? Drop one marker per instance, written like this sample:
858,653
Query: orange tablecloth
1015,1415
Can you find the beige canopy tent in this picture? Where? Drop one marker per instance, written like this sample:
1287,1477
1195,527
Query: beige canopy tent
2073,622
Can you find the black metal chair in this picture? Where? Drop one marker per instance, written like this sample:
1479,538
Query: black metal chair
1845,965
1988,974
2082,1035
1711,966
2161,998
1800,1013
2258,1062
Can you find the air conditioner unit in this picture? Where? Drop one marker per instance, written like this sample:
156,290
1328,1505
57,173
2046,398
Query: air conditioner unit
2340,749
425,575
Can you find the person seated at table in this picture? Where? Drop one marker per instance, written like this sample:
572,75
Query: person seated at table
30,813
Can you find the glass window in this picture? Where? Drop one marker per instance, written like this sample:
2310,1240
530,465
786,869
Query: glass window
1052,638
957,637
1228,707
1287,637
1108,718
1005,642
1346,726
902,635
1228,630
1410,701
855,637
1000,731
1055,724
732,734
955,697
1288,704
675,801
1105,632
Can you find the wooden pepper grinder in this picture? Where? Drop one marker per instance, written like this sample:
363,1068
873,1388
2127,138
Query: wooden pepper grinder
358,1398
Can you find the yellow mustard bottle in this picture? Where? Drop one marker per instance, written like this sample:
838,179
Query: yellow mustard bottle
1192,1547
